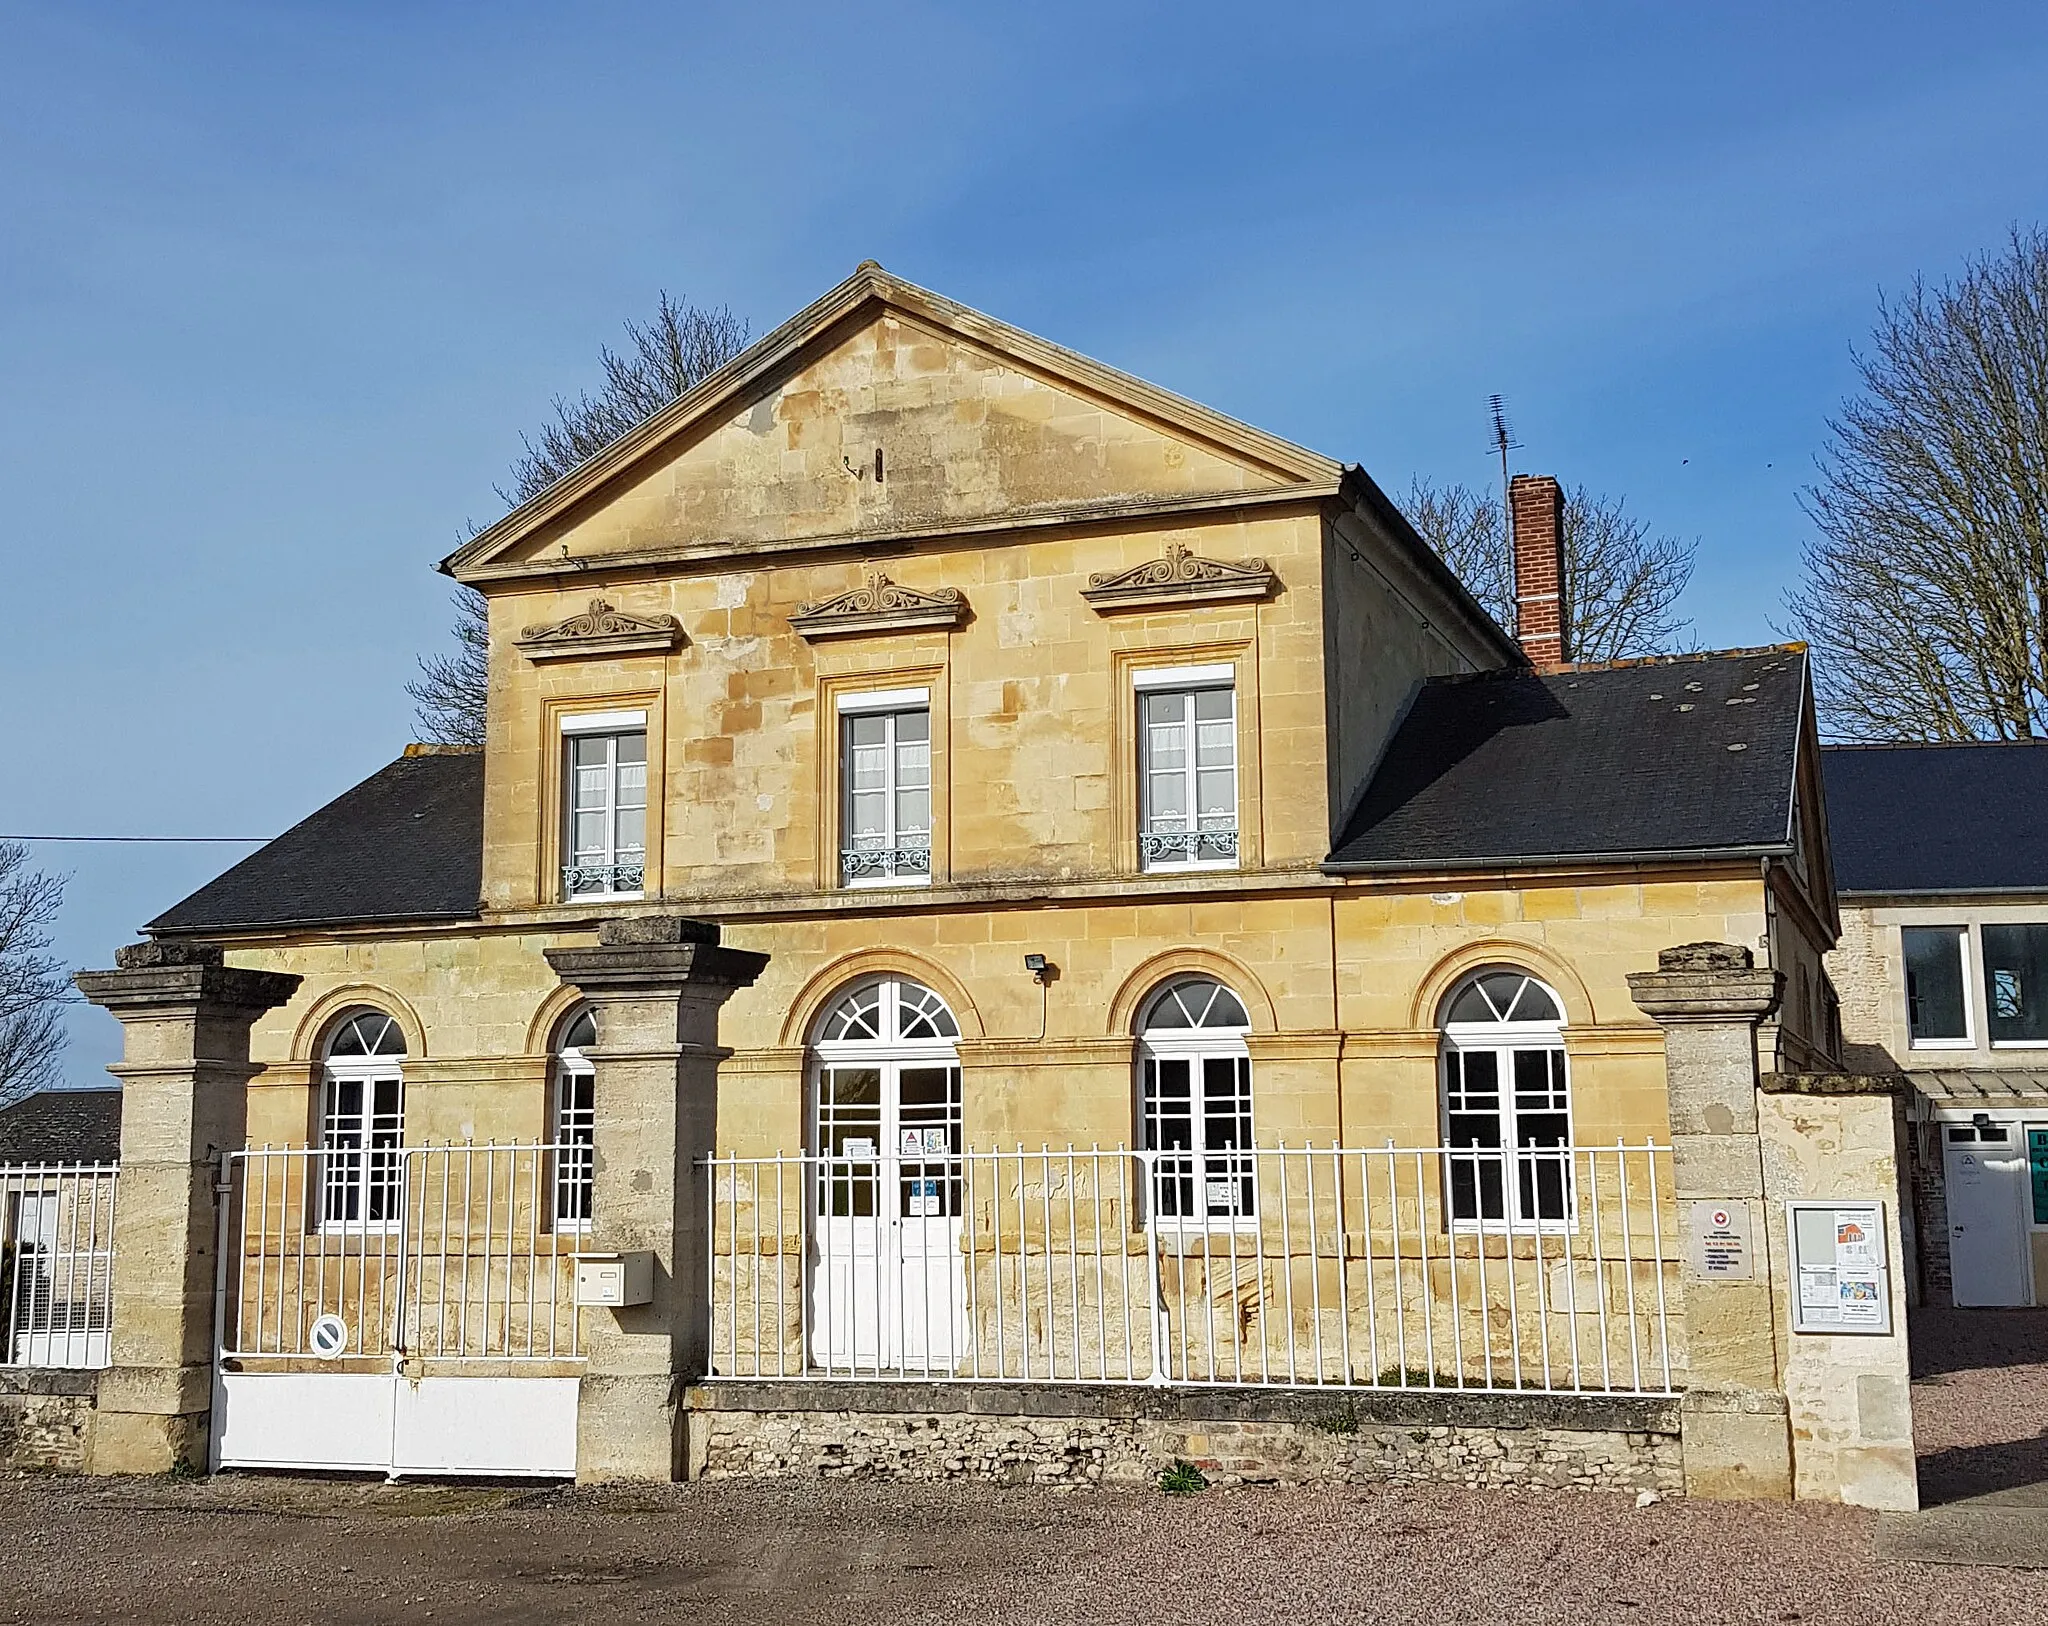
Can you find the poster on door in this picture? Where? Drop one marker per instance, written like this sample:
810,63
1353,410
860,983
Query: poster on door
1839,1283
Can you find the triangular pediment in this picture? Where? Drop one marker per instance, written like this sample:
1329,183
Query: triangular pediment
885,410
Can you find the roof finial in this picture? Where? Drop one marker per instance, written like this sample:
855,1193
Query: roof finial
867,265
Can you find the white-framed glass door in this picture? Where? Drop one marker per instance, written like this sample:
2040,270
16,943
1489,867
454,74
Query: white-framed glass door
887,1288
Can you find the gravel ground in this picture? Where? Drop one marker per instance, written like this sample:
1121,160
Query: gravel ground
253,1550
1980,1404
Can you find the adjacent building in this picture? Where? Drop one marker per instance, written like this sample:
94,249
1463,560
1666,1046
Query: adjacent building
1941,858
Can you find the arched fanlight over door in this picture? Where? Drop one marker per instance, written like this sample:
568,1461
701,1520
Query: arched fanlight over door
1195,1106
1507,1098
362,1121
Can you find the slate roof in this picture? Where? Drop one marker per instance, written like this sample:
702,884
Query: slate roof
1938,818
405,844
62,1126
1680,755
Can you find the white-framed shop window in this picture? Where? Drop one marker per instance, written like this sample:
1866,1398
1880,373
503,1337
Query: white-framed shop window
1507,1102
604,813
1937,970
1187,767
1195,1108
362,1124
575,1123
885,773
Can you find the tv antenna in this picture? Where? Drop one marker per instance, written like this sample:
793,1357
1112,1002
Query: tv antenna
1503,442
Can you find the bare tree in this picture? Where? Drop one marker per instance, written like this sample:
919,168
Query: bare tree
1925,593
451,694
683,345
34,988
1622,581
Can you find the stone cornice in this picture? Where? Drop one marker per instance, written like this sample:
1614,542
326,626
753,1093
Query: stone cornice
880,605
1706,983
1182,577
182,976
1121,512
641,954
601,631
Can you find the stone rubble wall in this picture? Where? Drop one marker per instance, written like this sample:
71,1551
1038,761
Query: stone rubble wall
46,1420
1075,1451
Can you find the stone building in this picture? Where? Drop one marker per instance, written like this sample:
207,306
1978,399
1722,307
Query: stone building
1035,759
1942,861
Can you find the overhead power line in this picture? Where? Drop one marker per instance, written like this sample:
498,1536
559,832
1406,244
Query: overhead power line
241,841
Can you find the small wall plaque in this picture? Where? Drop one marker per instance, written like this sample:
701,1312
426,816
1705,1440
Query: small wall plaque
1718,1241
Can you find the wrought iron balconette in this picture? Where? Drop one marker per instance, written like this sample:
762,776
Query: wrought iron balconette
602,880
1188,846
884,863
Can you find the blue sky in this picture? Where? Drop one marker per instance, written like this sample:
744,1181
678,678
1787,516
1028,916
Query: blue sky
280,285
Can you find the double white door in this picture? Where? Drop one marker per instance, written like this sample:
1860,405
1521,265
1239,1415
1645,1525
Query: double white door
887,1288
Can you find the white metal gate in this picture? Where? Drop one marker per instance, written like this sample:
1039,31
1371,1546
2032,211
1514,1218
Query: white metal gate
408,1311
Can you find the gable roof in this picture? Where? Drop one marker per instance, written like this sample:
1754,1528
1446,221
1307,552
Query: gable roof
62,1126
405,844
1689,755
865,294
1938,818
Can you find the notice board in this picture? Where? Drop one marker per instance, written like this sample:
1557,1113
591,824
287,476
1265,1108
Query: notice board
1839,1280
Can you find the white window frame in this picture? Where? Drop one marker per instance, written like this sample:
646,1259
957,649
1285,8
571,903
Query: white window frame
1968,962
613,725
1503,1039
1148,683
889,703
379,1137
573,1130
1195,1046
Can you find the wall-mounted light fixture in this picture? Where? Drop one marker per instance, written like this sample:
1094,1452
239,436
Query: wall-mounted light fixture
1037,965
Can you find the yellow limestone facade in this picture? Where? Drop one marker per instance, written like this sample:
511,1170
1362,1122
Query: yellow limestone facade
894,493
1015,474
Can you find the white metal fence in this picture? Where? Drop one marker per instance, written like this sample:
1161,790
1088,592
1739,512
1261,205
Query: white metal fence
1437,1268
447,1253
57,1263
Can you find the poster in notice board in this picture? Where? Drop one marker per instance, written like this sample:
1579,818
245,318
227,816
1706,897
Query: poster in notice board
1839,1280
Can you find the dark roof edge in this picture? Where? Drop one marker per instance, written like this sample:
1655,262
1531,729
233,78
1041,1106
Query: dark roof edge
1424,866
1361,485
243,927
1862,894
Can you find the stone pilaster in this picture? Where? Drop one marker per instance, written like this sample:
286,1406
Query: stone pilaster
657,983
184,1071
1709,998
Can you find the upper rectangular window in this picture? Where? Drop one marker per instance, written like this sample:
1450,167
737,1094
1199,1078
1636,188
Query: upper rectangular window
1937,1010
2016,984
885,772
604,785
1187,747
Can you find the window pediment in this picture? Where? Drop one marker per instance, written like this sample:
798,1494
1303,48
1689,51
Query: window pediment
880,605
1182,577
600,631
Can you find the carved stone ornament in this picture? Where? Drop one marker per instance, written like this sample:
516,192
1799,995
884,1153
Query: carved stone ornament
1180,578
880,605
600,631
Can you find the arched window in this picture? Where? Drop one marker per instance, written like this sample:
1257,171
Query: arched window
1507,1094
575,1121
1195,1077
362,1121
887,1083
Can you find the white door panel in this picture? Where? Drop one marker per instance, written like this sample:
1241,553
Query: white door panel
1987,1185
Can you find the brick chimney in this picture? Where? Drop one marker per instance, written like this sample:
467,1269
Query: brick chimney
1536,509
